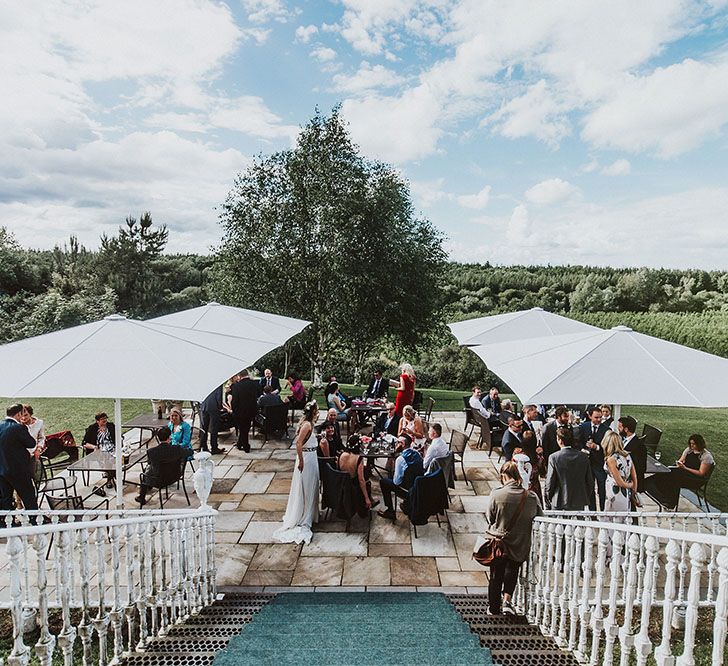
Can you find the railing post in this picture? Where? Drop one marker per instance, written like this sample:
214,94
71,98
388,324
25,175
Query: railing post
721,607
539,571
46,642
576,563
101,621
598,613
626,638
610,624
117,612
130,607
141,597
642,642
586,573
663,653
68,632
85,627
698,558
547,581
20,654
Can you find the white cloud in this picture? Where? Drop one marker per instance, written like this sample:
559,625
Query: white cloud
263,11
519,229
476,201
250,115
367,77
618,168
305,32
551,191
668,112
323,53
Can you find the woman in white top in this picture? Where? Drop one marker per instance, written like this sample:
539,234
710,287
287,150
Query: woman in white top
303,500
35,427
411,424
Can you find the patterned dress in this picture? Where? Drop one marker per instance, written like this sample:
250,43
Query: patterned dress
618,498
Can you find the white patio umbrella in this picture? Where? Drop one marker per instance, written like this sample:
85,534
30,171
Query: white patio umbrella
617,366
234,321
124,358
511,326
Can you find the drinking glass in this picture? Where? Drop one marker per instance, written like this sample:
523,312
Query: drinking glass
658,455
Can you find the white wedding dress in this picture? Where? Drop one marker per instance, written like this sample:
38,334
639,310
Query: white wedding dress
303,501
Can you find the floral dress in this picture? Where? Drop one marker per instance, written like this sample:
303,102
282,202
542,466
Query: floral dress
618,498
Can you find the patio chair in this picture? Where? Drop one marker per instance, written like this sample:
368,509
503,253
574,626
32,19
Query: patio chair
458,442
469,418
703,488
486,436
651,437
417,401
273,420
337,498
428,497
428,409
447,465
174,475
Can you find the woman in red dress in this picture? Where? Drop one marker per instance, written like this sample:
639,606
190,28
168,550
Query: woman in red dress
405,387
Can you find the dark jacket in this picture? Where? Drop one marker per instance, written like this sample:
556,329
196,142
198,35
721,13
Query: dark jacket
509,443
15,440
213,402
569,480
164,464
274,382
269,400
596,456
93,430
379,426
427,497
548,439
493,406
245,397
382,392
638,452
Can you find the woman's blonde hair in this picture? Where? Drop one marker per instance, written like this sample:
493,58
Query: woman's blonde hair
612,443
407,369
409,410
510,471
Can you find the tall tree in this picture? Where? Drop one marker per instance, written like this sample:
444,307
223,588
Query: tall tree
126,264
321,233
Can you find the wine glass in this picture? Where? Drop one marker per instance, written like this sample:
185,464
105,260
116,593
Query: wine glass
658,455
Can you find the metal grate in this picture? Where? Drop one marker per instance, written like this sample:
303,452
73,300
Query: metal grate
531,657
179,659
179,644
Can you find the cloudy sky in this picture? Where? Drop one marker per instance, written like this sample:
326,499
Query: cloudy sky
568,131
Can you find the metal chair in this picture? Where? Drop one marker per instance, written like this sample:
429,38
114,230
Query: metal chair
458,442
165,483
703,488
272,420
651,437
417,401
469,418
428,410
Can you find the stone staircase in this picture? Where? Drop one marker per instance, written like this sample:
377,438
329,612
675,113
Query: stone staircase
351,628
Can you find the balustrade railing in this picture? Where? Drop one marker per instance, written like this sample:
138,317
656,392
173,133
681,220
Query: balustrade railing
710,523
113,579
603,589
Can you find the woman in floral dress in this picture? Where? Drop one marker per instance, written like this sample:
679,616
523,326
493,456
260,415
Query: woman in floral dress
621,475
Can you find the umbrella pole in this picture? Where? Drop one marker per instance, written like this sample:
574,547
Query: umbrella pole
615,418
119,442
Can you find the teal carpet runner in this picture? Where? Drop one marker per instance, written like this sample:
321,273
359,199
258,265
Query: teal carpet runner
357,629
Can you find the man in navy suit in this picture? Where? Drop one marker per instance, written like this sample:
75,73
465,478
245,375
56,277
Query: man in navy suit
245,406
387,422
592,433
378,386
513,437
16,471
269,380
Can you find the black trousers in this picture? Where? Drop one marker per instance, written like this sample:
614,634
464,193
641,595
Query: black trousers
503,580
210,424
24,486
243,422
388,487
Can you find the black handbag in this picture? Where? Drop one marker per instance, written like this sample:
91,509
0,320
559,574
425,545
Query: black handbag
493,549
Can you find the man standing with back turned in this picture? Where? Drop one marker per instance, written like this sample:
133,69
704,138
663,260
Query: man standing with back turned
245,406
16,471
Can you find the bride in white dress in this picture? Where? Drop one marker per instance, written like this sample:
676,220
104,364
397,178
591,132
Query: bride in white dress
303,501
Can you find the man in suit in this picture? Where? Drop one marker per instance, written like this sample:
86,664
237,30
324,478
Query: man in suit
378,386
164,465
591,434
387,422
492,402
269,380
548,439
210,415
569,478
269,398
530,414
244,394
513,437
636,448
16,470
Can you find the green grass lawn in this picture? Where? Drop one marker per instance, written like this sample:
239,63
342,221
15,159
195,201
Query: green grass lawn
676,423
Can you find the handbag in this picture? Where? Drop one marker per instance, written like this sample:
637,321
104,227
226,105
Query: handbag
489,550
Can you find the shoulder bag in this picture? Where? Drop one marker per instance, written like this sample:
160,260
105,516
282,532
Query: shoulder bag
489,550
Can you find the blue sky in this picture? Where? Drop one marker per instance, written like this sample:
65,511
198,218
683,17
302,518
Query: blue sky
571,131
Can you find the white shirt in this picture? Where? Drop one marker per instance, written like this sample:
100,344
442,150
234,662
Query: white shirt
524,468
476,404
438,449
37,432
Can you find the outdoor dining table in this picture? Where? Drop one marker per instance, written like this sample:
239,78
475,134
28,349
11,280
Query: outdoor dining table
655,467
366,411
144,422
101,461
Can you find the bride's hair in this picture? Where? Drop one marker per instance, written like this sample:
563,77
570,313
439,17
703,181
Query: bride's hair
310,413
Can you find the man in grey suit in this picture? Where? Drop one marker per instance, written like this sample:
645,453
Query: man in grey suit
569,477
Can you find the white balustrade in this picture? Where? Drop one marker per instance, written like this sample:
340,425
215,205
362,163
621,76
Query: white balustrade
597,586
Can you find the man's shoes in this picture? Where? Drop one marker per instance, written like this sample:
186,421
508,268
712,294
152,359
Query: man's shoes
495,612
99,491
239,448
508,608
389,513
109,484
142,501
242,448
218,450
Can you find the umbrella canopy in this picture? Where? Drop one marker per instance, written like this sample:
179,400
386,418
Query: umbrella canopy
124,358
617,366
237,322
511,326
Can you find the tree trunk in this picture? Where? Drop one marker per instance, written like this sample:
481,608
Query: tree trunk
357,374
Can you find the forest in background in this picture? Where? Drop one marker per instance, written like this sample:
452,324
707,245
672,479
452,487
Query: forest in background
42,291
